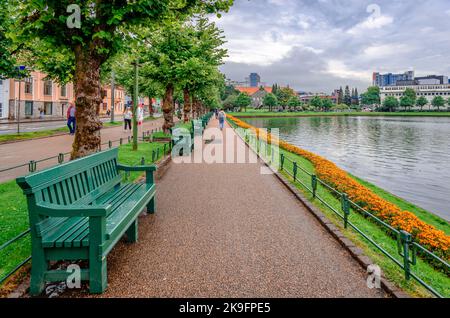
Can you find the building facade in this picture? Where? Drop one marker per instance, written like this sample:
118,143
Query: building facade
254,80
4,99
428,91
120,101
35,97
256,93
391,79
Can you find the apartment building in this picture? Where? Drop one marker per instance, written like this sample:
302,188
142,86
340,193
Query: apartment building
120,100
4,98
35,95
428,91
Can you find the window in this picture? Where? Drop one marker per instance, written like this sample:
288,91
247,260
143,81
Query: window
48,87
105,106
29,85
64,91
1,108
28,108
48,108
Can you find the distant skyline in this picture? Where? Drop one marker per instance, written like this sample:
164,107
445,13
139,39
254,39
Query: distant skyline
319,45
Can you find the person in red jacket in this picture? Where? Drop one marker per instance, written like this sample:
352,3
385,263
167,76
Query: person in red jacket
71,121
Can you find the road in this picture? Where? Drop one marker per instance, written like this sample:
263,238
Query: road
17,153
11,128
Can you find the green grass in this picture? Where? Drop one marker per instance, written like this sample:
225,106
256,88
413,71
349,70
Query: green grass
438,280
14,213
260,113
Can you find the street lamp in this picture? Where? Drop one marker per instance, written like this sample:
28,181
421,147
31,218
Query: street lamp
135,104
113,88
19,69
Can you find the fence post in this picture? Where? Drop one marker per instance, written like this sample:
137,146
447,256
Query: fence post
32,166
164,150
121,141
282,161
60,158
142,161
295,171
346,208
405,240
129,139
314,185
110,144
153,156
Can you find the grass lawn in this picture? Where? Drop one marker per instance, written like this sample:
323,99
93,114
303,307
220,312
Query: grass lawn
438,280
14,213
263,113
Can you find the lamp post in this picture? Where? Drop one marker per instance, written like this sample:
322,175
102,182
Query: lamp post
113,95
19,70
135,104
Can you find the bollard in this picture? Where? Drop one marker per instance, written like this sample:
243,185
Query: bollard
32,166
314,185
295,171
346,208
60,158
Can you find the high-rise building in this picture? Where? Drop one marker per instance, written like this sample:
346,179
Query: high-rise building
255,80
391,79
432,80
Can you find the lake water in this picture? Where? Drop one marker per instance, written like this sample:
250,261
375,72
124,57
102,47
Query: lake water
407,156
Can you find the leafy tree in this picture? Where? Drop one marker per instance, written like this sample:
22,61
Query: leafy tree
230,102
390,103
408,99
355,98
270,101
68,49
7,60
371,97
294,102
243,101
438,102
421,102
316,103
327,104
284,94
347,96
340,96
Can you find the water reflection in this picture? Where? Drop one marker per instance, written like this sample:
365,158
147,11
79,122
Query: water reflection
407,156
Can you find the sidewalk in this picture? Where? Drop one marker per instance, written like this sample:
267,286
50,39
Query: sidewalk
22,152
225,230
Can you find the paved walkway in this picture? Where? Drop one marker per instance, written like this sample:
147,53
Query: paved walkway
225,230
14,154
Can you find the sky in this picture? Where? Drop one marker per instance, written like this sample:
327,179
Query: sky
320,45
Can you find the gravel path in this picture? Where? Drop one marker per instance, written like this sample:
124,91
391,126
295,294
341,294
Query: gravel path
225,230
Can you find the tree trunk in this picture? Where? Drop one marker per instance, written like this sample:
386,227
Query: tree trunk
150,107
194,107
187,105
87,100
168,108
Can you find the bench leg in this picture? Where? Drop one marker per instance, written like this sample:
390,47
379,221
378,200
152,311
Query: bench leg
38,267
151,206
98,276
132,232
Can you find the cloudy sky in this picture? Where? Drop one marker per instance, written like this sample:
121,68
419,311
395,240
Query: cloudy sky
319,45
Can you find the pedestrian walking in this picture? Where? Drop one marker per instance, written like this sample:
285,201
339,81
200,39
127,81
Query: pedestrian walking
127,116
221,117
216,113
140,115
71,120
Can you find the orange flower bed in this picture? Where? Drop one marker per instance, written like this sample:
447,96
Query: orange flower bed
423,233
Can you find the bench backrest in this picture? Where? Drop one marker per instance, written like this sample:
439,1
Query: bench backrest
79,181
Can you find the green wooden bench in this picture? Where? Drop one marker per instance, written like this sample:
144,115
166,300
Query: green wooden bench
79,211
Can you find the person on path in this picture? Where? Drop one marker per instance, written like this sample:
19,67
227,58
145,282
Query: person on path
140,114
216,113
127,116
71,121
221,116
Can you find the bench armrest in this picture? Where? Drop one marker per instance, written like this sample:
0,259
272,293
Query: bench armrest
54,210
150,168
